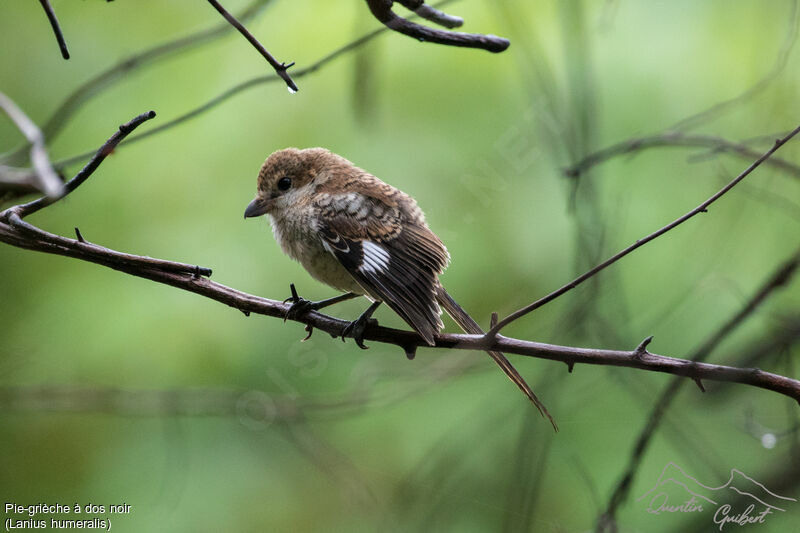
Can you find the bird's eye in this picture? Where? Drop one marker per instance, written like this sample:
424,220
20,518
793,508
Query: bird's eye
284,183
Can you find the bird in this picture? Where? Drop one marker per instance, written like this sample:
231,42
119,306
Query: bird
362,236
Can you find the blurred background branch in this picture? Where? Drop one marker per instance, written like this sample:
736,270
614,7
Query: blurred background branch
676,139
46,180
779,278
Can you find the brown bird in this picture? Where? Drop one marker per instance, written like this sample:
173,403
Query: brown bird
361,236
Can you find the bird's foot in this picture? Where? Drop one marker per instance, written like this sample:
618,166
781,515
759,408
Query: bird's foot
356,329
299,307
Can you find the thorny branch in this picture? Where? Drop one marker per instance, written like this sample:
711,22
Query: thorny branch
280,68
51,16
702,208
17,232
382,10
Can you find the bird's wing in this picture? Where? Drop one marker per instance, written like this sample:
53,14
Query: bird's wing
394,258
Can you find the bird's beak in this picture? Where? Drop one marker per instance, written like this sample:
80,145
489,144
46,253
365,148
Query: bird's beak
256,208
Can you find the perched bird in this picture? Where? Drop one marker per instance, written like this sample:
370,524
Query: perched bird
361,236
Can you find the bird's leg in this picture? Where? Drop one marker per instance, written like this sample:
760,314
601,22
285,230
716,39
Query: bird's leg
301,306
356,327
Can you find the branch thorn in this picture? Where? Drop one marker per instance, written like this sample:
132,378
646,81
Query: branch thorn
641,350
411,351
700,384
78,235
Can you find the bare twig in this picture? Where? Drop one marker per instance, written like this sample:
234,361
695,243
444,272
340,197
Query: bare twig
702,208
382,10
48,181
779,278
51,16
31,207
675,139
280,68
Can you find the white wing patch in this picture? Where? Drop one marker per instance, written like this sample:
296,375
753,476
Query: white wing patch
374,258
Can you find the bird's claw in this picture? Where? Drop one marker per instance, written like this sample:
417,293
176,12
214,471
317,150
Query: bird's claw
356,329
309,330
299,307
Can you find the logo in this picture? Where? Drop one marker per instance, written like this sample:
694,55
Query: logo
740,501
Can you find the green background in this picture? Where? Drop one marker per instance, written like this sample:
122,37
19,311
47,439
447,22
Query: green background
275,435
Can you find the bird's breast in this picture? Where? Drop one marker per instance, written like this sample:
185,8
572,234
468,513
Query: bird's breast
299,238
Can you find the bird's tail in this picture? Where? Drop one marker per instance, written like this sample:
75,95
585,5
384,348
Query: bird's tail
470,326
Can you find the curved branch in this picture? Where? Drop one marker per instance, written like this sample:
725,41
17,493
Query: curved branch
782,58
702,208
382,10
185,276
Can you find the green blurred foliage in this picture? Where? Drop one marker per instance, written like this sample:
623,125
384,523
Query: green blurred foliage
481,141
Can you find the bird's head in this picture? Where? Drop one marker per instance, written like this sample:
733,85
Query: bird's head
287,179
